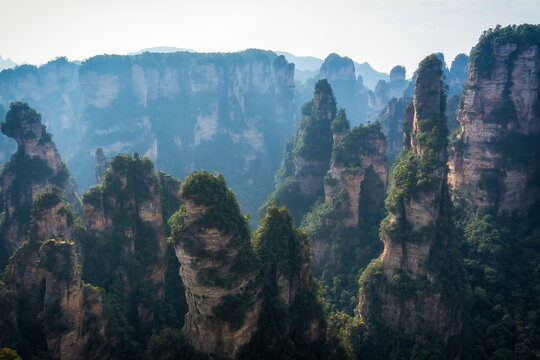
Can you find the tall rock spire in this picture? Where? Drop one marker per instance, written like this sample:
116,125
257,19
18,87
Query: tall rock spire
34,166
407,288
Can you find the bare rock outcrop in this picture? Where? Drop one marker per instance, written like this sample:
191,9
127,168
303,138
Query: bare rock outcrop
493,162
356,151
307,155
124,221
34,166
218,268
44,282
405,288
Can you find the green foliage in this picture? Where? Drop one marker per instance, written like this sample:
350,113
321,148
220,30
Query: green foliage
316,140
119,258
358,140
411,173
209,190
283,326
288,194
170,344
371,277
233,309
52,319
277,242
61,176
501,259
9,354
340,124
482,58
47,198
18,112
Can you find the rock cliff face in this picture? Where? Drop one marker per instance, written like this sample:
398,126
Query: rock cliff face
357,152
343,221
290,309
349,91
493,161
34,166
126,237
391,119
307,155
386,90
53,90
243,300
416,232
222,112
457,75
43,278
218,268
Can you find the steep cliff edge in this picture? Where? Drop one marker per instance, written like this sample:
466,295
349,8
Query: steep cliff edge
299,181
45,303
125,246
34,166
418,282
218,267
246,300
345,222
493,162
292,318
53,90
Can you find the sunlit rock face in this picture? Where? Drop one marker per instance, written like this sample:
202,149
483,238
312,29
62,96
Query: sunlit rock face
493,161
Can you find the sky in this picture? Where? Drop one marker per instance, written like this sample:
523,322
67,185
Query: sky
384,33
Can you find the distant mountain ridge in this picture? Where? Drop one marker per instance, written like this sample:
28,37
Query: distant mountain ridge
6,63
161,49
308,67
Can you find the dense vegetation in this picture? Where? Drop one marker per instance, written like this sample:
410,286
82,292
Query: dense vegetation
307,154
482,59
119,258
290,300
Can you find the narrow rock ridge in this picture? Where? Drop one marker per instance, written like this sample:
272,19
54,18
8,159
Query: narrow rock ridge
211,240
494,159
44,278
416,230
34,166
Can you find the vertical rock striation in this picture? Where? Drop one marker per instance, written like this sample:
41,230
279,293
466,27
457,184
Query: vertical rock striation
307,155
413,285
34,166
126,237
494,159
243,301
212,243
44,283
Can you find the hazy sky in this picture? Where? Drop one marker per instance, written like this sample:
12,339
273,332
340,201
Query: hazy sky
381,32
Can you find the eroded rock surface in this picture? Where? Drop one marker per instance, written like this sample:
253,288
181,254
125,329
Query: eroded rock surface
34,166
493,163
